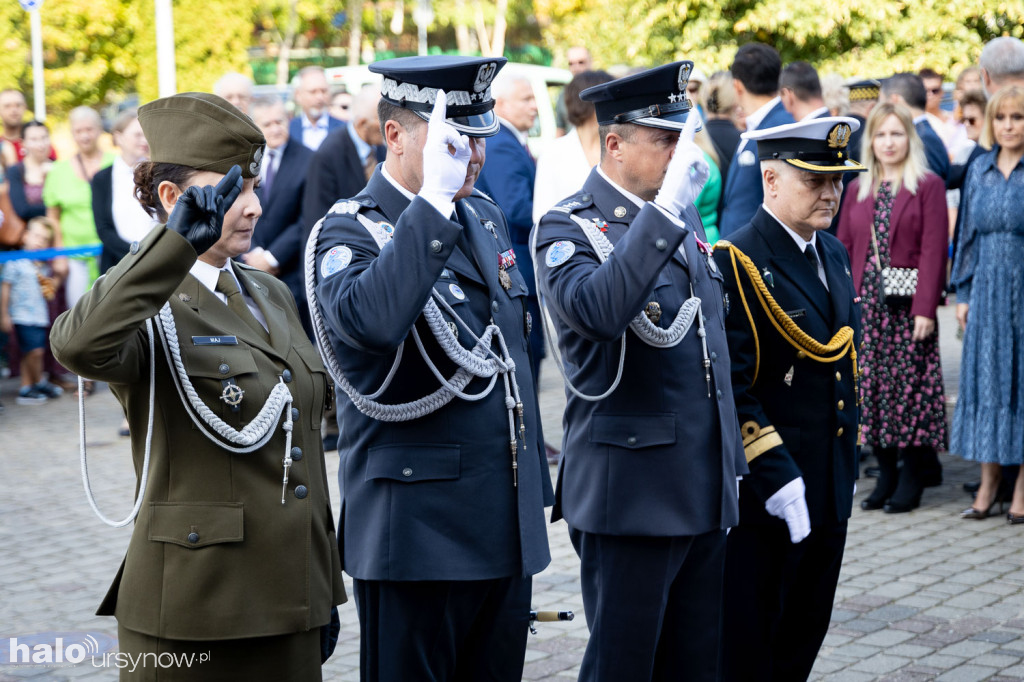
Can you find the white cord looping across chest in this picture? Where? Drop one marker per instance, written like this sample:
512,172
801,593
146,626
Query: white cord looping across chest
642,326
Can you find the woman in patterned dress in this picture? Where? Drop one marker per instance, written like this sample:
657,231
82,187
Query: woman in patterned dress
988,425
895,216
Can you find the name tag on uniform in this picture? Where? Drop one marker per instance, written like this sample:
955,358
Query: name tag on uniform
214,341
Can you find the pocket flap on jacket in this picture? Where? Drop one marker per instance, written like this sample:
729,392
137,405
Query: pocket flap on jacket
411,463
195,524
633,431
217,362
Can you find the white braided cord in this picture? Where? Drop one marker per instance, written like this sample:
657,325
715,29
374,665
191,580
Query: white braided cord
144,476
646,331
480,361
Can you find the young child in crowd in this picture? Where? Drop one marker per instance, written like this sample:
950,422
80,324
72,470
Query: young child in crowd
25,287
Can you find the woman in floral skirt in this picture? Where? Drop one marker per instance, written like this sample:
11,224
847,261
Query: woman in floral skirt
895,218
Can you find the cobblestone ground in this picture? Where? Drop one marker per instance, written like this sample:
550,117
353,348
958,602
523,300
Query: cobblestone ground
922,595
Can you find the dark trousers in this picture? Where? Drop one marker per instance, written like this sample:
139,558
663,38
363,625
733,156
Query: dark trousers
443,631
778,600
653,606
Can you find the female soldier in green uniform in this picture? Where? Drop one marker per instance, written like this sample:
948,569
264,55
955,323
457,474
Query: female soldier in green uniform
234,552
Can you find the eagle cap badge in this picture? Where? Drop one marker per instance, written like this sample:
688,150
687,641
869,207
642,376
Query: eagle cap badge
839,136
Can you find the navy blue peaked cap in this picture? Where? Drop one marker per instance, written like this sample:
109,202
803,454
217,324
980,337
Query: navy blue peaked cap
655,98
413,82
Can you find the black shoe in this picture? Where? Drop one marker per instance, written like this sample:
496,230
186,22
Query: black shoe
1014,519
330,442
871,472
930,468
908,491
971,487
894,507
888,477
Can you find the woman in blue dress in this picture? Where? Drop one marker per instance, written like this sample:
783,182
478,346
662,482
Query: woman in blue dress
988,425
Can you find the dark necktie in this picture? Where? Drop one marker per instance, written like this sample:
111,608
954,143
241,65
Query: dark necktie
812,257
268,178
226,285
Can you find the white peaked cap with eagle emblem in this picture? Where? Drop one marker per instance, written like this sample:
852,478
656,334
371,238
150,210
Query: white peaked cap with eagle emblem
817,145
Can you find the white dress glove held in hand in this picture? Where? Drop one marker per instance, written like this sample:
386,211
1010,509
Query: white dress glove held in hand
788,503
444,173
686,173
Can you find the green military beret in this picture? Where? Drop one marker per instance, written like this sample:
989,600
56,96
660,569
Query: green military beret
202,131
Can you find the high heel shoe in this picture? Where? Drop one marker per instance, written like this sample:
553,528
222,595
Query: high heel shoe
1014,519
979,514
887,480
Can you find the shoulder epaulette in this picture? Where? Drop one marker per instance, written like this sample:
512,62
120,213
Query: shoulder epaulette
352,206
573,203
483,195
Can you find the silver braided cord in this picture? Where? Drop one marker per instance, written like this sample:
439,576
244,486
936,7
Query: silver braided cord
480,361
254,436
646,331
256,433
144,476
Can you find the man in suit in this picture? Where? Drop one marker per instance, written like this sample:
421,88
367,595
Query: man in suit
442,526
800,92
277,245
346,160
651,451
908,89
797,414
314,123
755,76
509,178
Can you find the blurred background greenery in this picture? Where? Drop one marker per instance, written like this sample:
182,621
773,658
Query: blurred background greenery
102,51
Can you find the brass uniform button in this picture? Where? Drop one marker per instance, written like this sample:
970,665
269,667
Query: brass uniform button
839,377
801,355
841,404
839,432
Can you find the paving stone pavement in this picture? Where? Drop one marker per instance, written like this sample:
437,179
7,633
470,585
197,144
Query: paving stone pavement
922,596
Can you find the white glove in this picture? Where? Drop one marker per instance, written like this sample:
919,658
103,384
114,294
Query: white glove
686,173
444,173
788,503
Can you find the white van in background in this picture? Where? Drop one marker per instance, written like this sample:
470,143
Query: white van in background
547,85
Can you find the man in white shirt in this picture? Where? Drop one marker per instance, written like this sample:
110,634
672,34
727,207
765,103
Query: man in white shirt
312,96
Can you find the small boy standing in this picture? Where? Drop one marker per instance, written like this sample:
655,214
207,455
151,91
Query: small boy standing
25,287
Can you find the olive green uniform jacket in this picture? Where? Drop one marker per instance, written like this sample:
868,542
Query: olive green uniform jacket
214,554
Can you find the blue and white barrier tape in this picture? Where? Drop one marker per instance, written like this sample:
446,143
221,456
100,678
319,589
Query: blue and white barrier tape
49,254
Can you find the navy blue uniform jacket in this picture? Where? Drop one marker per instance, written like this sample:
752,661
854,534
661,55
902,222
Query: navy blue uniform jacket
743,192
279,229
934,150
432,498
657,457
811,406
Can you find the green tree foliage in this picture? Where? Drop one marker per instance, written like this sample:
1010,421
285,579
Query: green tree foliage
853,38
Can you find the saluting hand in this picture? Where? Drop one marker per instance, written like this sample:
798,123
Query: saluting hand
446,156
198,215
687,171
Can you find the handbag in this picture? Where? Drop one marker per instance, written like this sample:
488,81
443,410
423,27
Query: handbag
896,285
